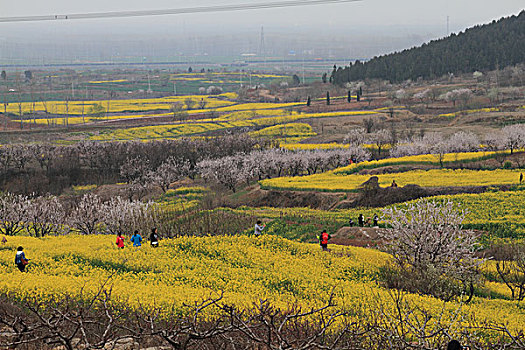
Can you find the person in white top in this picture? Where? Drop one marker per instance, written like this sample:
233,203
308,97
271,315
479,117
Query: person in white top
259,227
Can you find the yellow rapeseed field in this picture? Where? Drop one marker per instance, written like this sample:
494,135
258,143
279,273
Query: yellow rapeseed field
284,130
186,269
334,182
118,106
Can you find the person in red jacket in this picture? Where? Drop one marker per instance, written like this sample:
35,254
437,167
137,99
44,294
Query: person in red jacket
323,240
120,241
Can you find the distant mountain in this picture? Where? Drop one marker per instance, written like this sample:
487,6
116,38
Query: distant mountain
483,47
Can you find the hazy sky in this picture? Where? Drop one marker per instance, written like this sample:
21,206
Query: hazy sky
463,13
355,30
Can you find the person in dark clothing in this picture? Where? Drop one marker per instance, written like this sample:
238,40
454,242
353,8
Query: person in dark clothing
361,220
521,177
376,218
323,240
351,222
154,238
20,259
455,345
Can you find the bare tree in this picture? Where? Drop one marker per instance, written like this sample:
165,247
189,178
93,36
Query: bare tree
179,112
190,103
510,265
381,139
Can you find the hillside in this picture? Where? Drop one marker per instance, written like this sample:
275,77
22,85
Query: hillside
485,47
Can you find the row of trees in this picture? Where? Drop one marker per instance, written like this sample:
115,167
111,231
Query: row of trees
42,216
391,322
103,161
510,137
231,171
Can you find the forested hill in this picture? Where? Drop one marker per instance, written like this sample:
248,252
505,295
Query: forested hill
485,47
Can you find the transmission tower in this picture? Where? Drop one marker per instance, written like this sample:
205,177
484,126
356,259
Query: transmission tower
262,48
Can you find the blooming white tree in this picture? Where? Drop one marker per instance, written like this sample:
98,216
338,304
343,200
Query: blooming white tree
381,139
227,171
453,96
45,216
214,90
355,137
13,213
125,216
422,95
171,170
463,142
513,137
87,214
427,241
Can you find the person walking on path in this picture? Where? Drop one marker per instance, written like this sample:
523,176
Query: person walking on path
259,227
20,259
120,241
323,240
521,178
154,238
136,239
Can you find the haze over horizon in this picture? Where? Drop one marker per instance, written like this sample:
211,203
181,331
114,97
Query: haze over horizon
350,30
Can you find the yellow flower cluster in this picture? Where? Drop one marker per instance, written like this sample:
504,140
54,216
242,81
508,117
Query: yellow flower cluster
187,269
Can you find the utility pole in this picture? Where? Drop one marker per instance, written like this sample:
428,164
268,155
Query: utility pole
303,67
149,85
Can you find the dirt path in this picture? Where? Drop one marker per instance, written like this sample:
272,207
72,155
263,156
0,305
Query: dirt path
357,236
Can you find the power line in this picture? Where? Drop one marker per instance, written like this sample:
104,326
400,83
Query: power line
200,9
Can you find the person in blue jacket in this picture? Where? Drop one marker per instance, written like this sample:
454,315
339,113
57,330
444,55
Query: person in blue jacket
20,259
136,239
